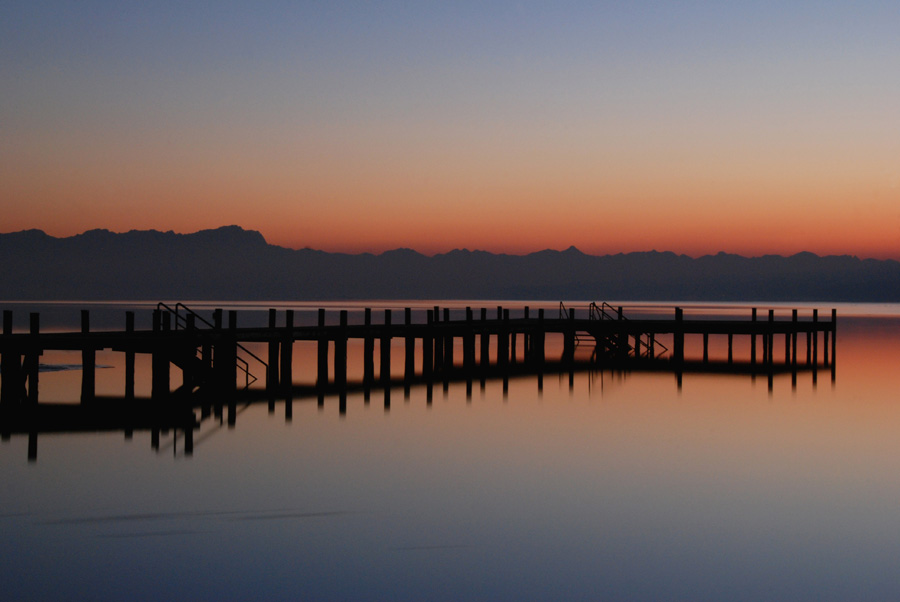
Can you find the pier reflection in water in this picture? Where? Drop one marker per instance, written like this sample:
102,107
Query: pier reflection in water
612,484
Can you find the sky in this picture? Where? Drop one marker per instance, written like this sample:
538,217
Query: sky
693,127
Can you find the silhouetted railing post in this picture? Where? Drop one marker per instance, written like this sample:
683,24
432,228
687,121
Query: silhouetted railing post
833,341
11,367
678,336
33,358
513,335
815,342
385,372
272,380
730,347
129,358
833,335
795,323
340,351
469,342
438,341
448,340
538,351
770,340
485,342
368,349
569,339
287,353
503,342
88,362
753,338
705,347
227,367
322,370
527,335
428,346
409,371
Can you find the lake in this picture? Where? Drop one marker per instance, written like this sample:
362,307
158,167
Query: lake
614,486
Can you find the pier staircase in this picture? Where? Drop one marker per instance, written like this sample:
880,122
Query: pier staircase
609,345
199,362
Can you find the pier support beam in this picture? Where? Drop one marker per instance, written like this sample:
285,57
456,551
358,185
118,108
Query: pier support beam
678,337
12,384
340,351
469,342
286,376
322,363
484,342
503,341
272,380
753,338
448,341
385,372
409,371
88,362
368,349
428,346
129,358
33,357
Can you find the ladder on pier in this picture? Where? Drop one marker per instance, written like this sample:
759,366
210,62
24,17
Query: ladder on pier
613,346
192,361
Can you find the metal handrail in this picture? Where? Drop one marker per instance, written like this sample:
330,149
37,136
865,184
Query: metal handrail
242,364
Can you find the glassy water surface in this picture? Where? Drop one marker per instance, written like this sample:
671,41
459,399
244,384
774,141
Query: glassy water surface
618,486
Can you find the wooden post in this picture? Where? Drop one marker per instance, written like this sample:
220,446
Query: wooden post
770,339
448,341
272,380
469,342
322,372
730,348
825,347
540,337
33,359
10,367
795,322
227,367
833,338
428,346
410,347
503,341
815,342
368,349
88,361
705,347
287,353
485,340
438,340
569,339
753,338
159,378
385,372
340,351
678,346
129,358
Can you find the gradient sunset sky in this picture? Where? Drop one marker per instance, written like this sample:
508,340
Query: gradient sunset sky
694,127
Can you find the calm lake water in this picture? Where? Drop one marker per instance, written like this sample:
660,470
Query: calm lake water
620,486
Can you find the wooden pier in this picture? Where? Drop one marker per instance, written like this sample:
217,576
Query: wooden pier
218,368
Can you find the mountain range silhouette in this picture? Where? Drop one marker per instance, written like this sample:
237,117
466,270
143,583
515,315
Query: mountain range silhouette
231,263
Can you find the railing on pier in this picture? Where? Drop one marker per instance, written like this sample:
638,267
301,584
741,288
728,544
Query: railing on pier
189,320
